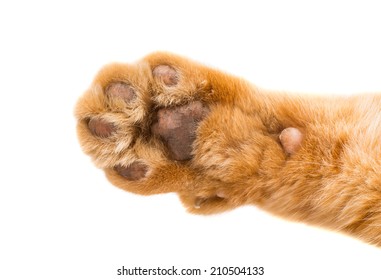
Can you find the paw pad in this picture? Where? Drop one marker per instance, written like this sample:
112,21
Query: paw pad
121,90
167,74
101,128
177,128
291,139
133,172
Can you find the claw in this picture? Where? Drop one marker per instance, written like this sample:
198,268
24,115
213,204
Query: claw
221,194
198,202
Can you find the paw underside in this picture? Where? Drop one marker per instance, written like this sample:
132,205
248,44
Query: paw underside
145,125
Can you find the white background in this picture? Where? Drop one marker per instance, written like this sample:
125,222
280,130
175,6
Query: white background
61,219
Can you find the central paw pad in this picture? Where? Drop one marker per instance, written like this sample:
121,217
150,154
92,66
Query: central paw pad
177,126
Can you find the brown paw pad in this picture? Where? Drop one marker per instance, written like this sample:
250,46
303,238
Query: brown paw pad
177,128
121,90
166,74
101,128
133,172
291,140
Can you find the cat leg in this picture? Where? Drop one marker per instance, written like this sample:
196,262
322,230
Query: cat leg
167,124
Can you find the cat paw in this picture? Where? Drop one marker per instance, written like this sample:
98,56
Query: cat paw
138,122
166,124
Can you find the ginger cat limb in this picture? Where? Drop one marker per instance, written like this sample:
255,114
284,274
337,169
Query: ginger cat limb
168,124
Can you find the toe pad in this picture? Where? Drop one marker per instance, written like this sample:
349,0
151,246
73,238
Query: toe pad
121,90
101,128
167,74
133,172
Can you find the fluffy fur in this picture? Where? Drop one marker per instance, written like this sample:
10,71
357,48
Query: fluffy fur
332,179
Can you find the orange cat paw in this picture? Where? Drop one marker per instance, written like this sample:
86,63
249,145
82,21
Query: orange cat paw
166,124
139,122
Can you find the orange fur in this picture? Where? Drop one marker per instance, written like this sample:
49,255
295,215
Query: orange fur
331,180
